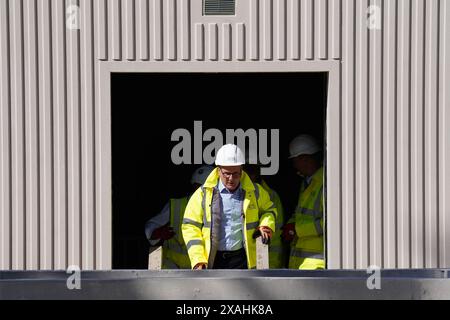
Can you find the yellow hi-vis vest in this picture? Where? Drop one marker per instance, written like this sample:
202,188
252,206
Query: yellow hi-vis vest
201,223
307,249
276,248
175,255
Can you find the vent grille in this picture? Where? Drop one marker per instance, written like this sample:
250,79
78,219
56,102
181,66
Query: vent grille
219,7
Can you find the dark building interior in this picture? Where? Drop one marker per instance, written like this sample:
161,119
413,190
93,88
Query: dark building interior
147,108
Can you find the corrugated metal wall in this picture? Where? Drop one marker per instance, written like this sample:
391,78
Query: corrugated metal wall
392,142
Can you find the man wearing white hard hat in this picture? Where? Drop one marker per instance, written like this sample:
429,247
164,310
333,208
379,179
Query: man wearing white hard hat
305,229
165,228
224,216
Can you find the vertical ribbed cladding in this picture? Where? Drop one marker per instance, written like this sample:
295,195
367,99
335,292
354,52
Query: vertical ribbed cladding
403,167
31,115
293,29
362,136
73,142
59,133
213,42
389,133
431,175
87,221
115,28
18,142
5,139
417,133
128,16
45,223
375,138
185,29
227,45
443,136
347,226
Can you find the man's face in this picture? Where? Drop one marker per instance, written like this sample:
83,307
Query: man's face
302,164
230,176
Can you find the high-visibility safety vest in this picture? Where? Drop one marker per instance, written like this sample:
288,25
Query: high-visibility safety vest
201,223
307,248
276,248
175,255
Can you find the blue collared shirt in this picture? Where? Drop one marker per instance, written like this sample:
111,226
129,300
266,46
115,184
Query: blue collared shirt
230,234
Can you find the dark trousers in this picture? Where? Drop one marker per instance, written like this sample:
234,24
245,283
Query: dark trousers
230,260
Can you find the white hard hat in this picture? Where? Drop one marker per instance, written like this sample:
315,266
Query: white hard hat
230,155
303,144
199,176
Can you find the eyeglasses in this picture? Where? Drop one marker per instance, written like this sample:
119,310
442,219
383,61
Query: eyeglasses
229,174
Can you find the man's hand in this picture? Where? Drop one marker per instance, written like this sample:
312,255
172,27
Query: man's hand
288,232
200,266
265,233
164,233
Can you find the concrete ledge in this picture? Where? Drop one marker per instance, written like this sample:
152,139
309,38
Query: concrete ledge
226,285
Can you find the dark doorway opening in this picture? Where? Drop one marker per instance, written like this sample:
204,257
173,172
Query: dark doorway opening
147,108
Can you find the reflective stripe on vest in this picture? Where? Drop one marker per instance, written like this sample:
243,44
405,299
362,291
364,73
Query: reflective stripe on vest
256,191
316,212
192,222
272,195
252,225
193,243
318,226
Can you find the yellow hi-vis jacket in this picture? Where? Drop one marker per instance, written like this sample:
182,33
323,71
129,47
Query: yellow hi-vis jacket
175,254
307,248
276,248
201,223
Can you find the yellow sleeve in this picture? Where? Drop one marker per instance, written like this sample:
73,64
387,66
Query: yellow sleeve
267,209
